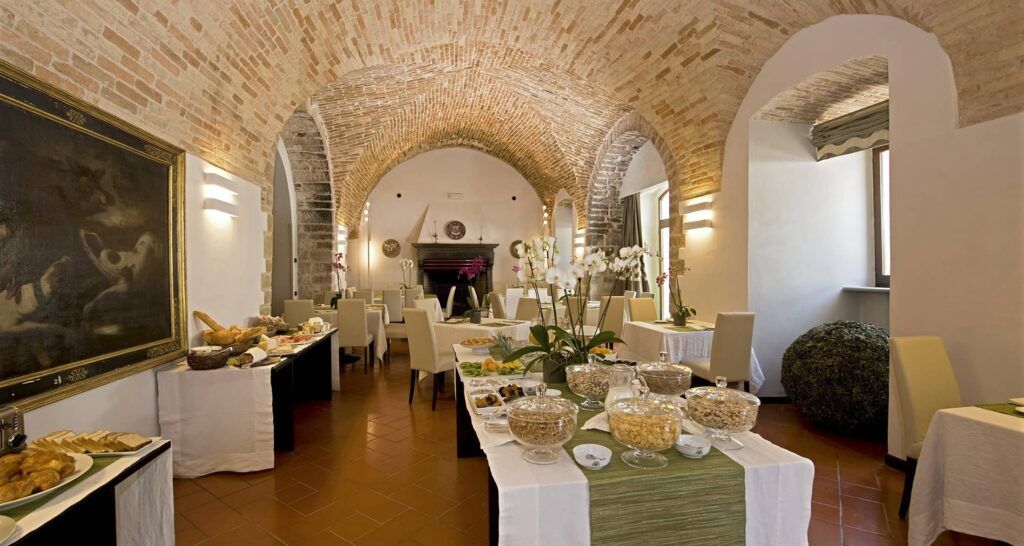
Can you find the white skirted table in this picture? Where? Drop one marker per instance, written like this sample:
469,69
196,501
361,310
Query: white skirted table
449,333
969,477
377,318
644,341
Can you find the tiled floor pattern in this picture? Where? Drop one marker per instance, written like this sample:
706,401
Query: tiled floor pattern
369,469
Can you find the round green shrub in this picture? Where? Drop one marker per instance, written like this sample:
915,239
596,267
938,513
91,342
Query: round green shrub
838,375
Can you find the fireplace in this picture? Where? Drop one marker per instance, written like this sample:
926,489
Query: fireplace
438,270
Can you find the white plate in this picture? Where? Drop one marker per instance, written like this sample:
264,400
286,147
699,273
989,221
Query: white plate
603,456
7,527
82,464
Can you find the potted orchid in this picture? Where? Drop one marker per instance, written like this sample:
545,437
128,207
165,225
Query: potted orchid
680,311
407,266
471,271
338,269
559,344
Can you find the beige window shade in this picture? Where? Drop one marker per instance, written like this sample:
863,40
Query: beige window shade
861,130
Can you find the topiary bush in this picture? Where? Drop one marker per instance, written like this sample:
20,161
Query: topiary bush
838,375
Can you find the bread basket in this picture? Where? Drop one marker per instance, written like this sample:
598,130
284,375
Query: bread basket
207,358
243,346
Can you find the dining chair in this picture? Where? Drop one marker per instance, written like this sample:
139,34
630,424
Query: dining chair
474,301
413,294
365,295
646,295
497,307
423,353
730,350
527,309
629,294
451,303
642,309
393,302
572,307
352,331
614,316
297,311
925,382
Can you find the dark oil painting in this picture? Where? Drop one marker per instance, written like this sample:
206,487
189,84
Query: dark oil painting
88,271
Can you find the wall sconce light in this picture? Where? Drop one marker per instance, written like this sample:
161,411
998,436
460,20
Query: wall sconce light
697,215
219,194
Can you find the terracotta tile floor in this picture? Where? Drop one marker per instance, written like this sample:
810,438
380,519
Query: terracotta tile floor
370,469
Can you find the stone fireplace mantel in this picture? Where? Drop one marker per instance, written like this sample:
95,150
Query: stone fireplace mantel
438,266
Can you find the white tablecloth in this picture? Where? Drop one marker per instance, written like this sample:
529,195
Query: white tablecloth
432,306
217,420
643,341
376,319
143,502
969,477
549,504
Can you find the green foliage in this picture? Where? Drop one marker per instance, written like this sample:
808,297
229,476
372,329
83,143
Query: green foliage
560,346
838,375
503,346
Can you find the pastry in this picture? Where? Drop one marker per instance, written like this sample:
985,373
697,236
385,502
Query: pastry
44,460
9,468
44,479
15,490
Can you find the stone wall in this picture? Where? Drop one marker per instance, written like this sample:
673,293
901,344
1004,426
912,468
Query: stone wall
314,204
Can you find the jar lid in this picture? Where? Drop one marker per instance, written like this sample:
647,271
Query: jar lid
534,408
663,368
644,405
721,394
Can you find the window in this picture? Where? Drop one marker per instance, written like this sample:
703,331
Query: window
663,244
883,265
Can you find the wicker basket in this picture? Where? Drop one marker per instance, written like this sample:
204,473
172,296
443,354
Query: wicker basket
243,346
207,360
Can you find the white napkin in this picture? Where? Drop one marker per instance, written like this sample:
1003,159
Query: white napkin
598,422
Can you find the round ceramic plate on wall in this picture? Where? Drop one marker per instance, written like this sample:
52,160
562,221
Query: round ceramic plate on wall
455,230
391,248
512,248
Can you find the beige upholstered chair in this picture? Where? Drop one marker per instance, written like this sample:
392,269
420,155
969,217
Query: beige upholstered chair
730,350
474,301
629,294
642,309
646,295
395,329
528,309
451,303
615,315
352,331
297,311
925,382
423,352
572,306
365,295
497,306
413,294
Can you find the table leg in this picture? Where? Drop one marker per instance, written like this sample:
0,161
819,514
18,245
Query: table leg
466,442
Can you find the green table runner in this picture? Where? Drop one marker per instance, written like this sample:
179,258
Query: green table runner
1007,409
23,510
498,324
671,326
690,501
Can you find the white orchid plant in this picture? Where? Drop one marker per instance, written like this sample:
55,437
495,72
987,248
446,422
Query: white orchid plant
407,267
538,263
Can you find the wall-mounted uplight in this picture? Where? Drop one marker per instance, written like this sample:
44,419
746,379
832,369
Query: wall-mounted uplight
696,214
220,194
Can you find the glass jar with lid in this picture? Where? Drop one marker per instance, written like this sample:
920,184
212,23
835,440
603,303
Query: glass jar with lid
665,378
542,424
722,411
589,381
646,425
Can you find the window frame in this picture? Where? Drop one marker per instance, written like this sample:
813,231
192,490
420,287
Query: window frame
881,280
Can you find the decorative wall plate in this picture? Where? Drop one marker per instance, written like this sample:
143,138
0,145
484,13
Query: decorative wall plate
512,248
391,248
455,230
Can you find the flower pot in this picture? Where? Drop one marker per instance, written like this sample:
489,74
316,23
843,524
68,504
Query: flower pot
554,372
679,320
334,301
475,316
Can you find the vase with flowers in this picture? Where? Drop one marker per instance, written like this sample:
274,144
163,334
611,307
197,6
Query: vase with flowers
338,270
407,265
471,271
680,311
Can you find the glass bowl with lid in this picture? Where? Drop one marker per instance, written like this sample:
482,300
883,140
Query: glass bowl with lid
665,378
646,425
722,411
542,424
589,381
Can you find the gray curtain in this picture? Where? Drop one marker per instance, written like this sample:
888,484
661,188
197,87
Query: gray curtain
633,234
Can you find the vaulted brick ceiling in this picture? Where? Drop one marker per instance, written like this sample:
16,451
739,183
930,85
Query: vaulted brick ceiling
851,86
533,81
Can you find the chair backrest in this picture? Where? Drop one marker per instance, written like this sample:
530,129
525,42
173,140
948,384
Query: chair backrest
925,382
474,301
352,323
642,309
629,294
527,309
297,311
497,307
422,343
365,295
412,294
646,295
572,307
451,302
393,301
615,315
730,347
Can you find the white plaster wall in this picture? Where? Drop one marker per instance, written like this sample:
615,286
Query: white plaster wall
224,263
957,234
811,234
487,185
645,170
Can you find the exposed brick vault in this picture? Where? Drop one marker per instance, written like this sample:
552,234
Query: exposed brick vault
538,83
851,86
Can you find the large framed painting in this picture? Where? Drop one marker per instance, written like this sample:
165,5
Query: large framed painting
91,245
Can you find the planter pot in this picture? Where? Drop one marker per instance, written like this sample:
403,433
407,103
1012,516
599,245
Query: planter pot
475,316
334,301
679,320
554,372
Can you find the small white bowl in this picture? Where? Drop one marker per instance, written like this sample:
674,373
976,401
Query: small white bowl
592,456
552,393
693,447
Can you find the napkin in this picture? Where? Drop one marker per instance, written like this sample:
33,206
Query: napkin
598,422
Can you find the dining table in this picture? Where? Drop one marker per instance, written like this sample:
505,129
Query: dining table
644,341
450,332
757,495
377,318
969,478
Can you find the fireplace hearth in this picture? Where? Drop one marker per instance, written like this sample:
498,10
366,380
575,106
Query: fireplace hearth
438,267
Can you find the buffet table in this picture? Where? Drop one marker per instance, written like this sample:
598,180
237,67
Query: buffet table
644,340
554,504
120,500
965,481
233,419
451,332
